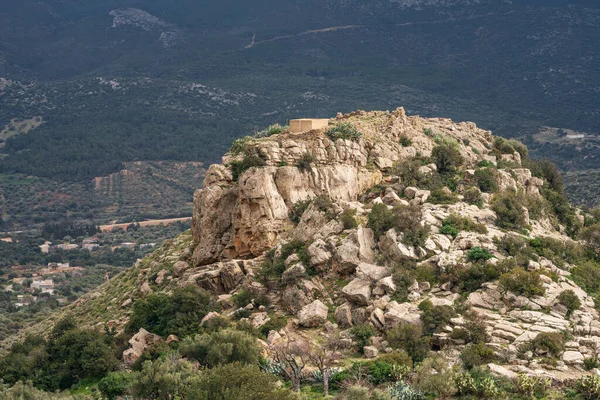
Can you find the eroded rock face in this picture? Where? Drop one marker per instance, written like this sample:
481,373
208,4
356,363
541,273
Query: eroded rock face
243,219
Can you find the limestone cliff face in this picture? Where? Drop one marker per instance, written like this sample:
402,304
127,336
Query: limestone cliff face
243,219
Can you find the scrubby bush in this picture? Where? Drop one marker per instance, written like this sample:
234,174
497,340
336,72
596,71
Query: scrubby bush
409,338
381,219
523,283
588,387
478,254
533,387
470,278
345,131
434,377
509,146
274,266
407,220
569,299
487,179
234,382
510,211
298,209
403,274
305,162
511,244
361,335
115,384
245,297
249,161
222,347
271,130
454,223
405,141
476,354
447,158
274,324
434,318
552,343
587,275
442,196
348,218
179,314
472,195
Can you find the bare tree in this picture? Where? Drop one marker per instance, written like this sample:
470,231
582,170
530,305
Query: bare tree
293,356
324,356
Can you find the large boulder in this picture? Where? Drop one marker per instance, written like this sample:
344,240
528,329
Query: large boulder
343,315
401,313
139,342
358,291
371,272
313,315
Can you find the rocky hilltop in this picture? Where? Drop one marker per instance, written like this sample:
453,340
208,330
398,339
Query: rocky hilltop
424,233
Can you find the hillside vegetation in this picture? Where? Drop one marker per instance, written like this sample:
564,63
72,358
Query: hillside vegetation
384,257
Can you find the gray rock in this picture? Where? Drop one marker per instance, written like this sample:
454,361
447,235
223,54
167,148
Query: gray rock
370,352
343,315
358,291
313,315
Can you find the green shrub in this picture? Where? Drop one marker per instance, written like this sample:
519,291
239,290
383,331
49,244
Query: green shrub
249,161
591,236
485,164
447,158
476,354
523,283
115,384
533,387
589,363
588,387
511,245
345,131
487,179
348,218
271,130
551,342
305,162
179,314
407,220
434,377
234,382
240,145
569,299
434,318
587,275
442,196
298,209
509,209
509,146
409,338
361,335
275,266
478,254
274,324
222,347
454,223
405,141
472,195
449,230
245,297
475,384
470,278
381,219
403,275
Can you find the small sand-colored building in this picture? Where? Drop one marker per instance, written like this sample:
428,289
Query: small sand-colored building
307,124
